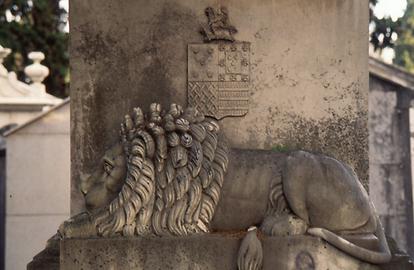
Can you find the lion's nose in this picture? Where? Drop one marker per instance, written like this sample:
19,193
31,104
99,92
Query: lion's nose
84,187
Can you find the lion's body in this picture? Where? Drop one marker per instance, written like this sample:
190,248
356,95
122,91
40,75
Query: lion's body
246,189
320,190
327,194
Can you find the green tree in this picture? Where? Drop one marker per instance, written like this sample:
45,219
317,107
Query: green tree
404,50
36,25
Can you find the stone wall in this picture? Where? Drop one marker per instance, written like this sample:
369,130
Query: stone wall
385,153
37,187
390,168
2,204
309,82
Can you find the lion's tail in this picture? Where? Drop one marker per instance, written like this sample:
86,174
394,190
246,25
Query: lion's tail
376,257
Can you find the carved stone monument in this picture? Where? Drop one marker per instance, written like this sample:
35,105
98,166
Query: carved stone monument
308,85
168,177
177,188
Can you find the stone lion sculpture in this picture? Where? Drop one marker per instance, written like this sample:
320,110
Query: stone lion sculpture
167,176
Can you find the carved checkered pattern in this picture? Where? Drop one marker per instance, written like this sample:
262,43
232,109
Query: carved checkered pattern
204,97
219,78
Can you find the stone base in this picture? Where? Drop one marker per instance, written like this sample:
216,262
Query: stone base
47,259
202,252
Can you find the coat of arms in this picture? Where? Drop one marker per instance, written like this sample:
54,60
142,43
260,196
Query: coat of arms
219,70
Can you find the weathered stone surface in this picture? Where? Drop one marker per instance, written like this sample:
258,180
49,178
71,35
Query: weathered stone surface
49,258
204,252
308,84
389,139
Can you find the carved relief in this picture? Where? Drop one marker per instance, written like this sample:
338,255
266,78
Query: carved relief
304,261
166,177
218,26
179,168
219,73
219,78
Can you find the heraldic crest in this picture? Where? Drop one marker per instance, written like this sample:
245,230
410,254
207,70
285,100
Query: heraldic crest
219,69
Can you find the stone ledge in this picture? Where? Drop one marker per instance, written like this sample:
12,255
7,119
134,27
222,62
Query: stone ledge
202,252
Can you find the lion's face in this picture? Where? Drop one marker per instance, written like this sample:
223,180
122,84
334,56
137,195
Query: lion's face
106,181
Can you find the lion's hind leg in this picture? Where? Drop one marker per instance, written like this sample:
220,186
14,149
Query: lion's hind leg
279,219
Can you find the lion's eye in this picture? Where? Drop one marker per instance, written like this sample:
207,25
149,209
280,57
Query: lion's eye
108,167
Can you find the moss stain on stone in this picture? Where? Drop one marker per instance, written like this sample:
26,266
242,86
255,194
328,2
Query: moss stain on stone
342,137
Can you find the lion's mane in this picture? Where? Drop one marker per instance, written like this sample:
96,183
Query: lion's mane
175,171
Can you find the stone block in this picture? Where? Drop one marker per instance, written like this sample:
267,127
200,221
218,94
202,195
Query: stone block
202,252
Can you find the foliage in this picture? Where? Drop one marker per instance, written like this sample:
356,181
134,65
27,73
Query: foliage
280,148
383,29
404,50
36,25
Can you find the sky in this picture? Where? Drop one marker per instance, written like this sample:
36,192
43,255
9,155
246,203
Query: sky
392,8
65,4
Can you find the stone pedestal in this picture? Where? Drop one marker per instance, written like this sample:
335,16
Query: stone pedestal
202,252
47,259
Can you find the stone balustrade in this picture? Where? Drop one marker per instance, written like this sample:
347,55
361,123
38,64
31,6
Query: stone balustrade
19,100
35,72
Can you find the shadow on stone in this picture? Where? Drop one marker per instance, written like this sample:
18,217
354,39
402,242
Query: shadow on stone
47,259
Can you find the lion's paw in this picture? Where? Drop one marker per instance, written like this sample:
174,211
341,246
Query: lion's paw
251,252
77,226
283,225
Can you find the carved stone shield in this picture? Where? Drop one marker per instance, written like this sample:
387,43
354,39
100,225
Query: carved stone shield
219,78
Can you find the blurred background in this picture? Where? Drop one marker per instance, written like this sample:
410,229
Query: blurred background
35,129
39,25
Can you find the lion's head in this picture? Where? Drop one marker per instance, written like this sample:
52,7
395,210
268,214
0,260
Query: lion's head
104,184
165,175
